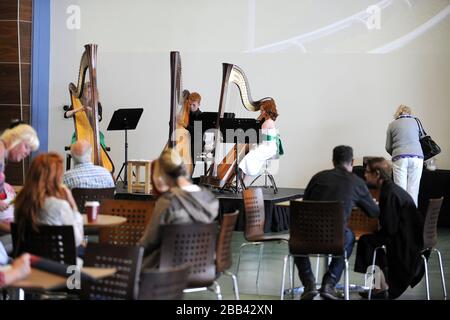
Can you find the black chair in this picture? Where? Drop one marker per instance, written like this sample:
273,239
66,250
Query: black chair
193,243
82,195
430,241
52,242
223,249
316,228
167,284
124,284
138,215
254,226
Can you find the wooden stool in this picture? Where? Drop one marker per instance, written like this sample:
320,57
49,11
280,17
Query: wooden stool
136,184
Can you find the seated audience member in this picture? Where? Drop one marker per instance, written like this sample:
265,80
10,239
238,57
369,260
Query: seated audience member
16,144
401,231
20,268
338,184
7,216
183,202
3,255
85,174
44,200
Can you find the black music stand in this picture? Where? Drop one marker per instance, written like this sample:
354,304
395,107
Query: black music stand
243,124
125,119
209,122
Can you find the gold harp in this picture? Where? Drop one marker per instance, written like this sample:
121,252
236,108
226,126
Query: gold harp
86,122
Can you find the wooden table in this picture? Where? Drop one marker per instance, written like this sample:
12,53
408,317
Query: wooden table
47,281
104,220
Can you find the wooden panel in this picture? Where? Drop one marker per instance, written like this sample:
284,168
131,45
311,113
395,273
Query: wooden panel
25,42
9,83
9,113
8,41
26,78
25,9
9,72
14,172
8,10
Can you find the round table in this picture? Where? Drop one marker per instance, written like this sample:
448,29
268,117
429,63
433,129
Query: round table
104,220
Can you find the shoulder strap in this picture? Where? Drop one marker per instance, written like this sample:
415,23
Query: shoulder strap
421,129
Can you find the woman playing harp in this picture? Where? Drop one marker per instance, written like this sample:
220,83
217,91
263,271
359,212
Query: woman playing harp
271,146
85,108
222,172
85,103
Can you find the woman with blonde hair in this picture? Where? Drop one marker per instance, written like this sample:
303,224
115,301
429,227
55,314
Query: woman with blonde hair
402,143
180,202
44,200
15,145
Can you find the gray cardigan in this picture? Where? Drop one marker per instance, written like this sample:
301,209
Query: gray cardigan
402,137
176,207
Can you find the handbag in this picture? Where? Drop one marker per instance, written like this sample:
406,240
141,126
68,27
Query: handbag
429,147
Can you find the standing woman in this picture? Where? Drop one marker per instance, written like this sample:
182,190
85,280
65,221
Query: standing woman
15,145
402,143
44,200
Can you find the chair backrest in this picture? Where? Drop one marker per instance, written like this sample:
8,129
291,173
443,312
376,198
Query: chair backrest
361,224
316,227
254,213
193,243
168,284
431,219
223,248
124,284
82,195
52,242
138,215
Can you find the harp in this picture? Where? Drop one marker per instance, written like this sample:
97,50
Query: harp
86,122
222,171
179,137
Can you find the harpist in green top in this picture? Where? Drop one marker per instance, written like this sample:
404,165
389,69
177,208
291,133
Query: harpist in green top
271,145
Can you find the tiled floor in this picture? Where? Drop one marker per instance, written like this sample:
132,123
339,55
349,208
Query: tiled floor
271,271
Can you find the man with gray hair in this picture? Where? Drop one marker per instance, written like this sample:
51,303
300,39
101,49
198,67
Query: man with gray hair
85,174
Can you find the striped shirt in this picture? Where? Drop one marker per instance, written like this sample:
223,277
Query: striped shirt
88,176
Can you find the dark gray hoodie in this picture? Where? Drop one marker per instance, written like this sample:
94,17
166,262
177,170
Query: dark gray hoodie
176,206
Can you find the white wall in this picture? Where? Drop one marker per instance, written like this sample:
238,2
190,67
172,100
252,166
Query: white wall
334,93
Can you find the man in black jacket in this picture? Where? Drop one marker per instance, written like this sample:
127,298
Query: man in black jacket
401,231
338,184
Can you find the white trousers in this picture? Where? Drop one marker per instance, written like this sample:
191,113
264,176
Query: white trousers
407,174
